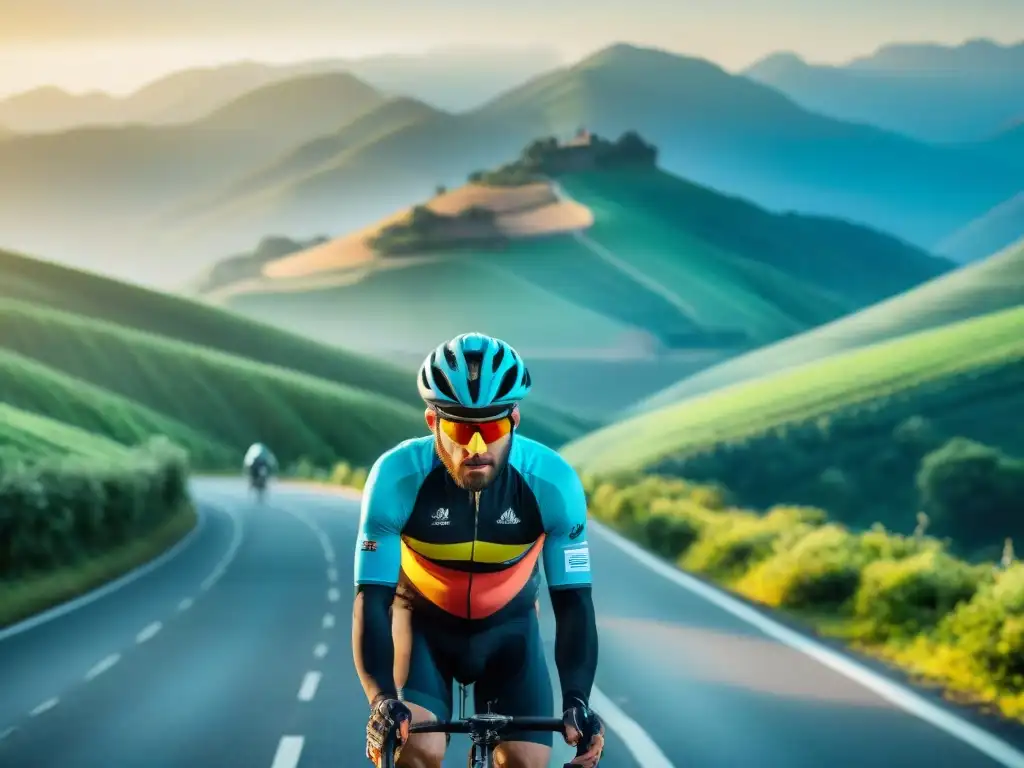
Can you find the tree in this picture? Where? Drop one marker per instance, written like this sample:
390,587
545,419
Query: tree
440,189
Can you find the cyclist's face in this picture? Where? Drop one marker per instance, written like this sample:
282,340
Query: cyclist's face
473,461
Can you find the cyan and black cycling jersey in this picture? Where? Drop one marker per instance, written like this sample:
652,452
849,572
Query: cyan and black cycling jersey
469,560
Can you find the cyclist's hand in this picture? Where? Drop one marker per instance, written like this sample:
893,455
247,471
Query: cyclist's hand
387,716
582,723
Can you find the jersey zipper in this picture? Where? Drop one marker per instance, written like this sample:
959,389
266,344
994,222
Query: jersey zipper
472,553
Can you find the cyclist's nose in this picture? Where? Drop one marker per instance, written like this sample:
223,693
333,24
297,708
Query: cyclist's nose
476,444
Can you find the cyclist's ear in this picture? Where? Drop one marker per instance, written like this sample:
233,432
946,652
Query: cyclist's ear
515,417
430,416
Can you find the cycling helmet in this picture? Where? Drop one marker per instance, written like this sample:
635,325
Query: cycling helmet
473,376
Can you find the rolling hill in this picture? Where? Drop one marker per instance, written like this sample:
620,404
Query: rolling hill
932,92
994,284
998,228
720,130
124,362
645,276
846,433
89,196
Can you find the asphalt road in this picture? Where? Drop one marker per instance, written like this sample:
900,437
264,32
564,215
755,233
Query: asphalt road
234,650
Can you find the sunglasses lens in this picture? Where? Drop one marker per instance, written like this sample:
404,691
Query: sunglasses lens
462,432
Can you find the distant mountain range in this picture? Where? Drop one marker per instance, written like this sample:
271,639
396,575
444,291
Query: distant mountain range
931,92
324,153
452,78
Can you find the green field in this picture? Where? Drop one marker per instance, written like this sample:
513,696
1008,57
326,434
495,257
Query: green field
986,286
25,435
858,378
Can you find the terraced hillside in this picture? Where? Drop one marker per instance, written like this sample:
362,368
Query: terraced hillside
993,284
613,280
124,363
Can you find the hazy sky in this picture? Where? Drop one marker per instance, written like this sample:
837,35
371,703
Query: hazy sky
118,44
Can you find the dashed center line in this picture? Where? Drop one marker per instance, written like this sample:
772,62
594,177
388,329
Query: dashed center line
103,666
320,651
5,733
45,706
185,604
309,685
328,620
148,632
333,594
332,574
289,750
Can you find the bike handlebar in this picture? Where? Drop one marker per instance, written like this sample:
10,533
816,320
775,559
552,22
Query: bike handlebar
502,722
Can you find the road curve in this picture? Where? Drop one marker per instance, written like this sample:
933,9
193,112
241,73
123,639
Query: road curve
235,651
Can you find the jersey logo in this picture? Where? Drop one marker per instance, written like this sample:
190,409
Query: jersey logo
508,517
369,545
577,560
440,517
576,531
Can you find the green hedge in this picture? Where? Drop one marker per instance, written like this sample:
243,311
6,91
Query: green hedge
904,598
60,511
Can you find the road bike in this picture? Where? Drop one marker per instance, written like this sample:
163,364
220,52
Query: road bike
484,732
259,483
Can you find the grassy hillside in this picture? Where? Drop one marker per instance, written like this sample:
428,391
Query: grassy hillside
633,264
180,328
997,229
847,433
993,284
932,92
90,196
28,436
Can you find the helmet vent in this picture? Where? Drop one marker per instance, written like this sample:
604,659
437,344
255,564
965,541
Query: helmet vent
496,360
423,378
442,383
526,378
507,382
450,358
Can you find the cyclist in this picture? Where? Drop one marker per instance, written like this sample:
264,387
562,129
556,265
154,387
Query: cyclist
452,529
256,458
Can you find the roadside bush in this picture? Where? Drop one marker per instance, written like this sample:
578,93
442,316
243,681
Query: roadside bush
989,629
906,596
54,512
819,571
673,526
738,540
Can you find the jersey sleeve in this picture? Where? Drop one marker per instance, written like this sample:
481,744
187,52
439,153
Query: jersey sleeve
563,506
384,511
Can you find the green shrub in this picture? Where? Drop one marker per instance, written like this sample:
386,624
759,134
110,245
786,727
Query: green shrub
58,510
672,526
902,597
738,540
989,629
820,570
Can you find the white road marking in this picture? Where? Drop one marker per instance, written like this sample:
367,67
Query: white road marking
309,685
103,666
5,733
325,542
148,632
113,586
185,604
289,749
229,556
332,574
639,744
320,651
904,698
333,594
45,707
328,620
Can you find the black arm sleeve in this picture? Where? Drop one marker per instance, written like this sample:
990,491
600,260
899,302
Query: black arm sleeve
575,643
373,643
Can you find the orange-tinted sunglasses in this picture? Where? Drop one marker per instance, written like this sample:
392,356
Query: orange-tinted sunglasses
462,432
